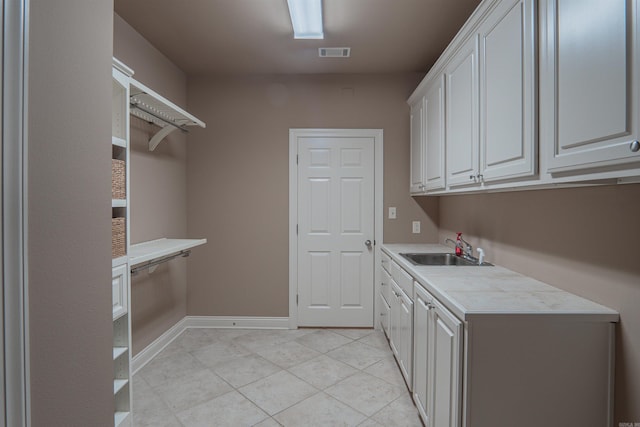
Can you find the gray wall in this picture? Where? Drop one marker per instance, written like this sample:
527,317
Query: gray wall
238,172
583,240
69,174
158,191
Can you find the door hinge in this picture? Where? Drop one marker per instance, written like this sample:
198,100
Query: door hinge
296,229
297,158
296,299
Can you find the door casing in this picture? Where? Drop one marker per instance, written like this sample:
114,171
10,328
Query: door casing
294,134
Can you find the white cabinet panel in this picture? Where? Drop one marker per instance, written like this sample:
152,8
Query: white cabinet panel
589,83
437,384
405,348
401,331
385,315
421,351
508,91
445,352
395,336
120,292
434,135
417,146
385,285
462,134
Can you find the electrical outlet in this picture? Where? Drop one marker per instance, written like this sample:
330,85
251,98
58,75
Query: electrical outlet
416,227
392,212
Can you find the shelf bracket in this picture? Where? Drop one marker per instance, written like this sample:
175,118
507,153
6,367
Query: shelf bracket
159,136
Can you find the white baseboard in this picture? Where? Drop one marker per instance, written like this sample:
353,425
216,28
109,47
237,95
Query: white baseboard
247,322
152,350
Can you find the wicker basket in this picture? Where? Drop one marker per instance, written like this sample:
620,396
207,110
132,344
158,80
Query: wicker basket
118,187
118,237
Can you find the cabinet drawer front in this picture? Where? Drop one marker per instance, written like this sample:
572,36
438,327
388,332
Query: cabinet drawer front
120,291
386,262
402,278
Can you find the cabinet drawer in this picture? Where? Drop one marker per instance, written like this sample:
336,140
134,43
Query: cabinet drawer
386,261
402,278
119,288
385,315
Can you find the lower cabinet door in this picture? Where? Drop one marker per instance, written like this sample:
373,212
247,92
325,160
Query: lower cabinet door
420,351
385,315
445,347
395,336
119,290
405,349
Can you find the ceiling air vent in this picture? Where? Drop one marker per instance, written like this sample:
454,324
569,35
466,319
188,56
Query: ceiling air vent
334,52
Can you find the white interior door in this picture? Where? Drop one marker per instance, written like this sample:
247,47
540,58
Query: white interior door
335,209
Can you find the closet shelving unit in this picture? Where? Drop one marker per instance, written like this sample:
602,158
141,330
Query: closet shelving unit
121,75
132,97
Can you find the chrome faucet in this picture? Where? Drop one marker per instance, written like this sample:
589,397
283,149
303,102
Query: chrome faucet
467,250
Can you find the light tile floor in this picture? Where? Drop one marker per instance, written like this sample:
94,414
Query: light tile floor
245,377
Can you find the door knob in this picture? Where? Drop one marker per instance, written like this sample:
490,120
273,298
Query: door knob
368,243
635,146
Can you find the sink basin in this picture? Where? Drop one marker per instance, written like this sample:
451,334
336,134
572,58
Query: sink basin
440,259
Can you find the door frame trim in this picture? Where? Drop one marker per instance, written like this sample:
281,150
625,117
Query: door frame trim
15,290
378,197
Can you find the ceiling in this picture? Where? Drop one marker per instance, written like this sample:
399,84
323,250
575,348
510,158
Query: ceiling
255,36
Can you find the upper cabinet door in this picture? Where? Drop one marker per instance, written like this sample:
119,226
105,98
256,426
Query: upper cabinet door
461,86
417,147
508,92
589,91
434,135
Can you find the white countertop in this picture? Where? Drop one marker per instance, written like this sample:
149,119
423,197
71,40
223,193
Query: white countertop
473,291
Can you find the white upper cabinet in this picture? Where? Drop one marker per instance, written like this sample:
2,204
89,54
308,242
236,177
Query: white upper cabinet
434,135
462,148
589,88
508,92
417,174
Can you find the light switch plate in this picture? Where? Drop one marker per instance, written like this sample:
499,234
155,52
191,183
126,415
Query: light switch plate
392,212
416,227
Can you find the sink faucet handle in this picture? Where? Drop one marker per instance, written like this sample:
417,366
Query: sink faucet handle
480,256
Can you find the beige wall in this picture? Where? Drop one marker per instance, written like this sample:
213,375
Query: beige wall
582,240
158,191
238,177
69,134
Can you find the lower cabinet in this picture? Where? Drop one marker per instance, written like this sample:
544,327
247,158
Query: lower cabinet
401,331
498,369
437,362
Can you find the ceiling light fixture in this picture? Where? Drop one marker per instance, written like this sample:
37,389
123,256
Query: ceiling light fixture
306,17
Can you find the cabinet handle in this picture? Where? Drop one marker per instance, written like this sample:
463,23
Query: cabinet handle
472,177
480,177
635,146
430,306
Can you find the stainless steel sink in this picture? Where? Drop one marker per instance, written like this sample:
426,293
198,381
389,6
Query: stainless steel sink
441,259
